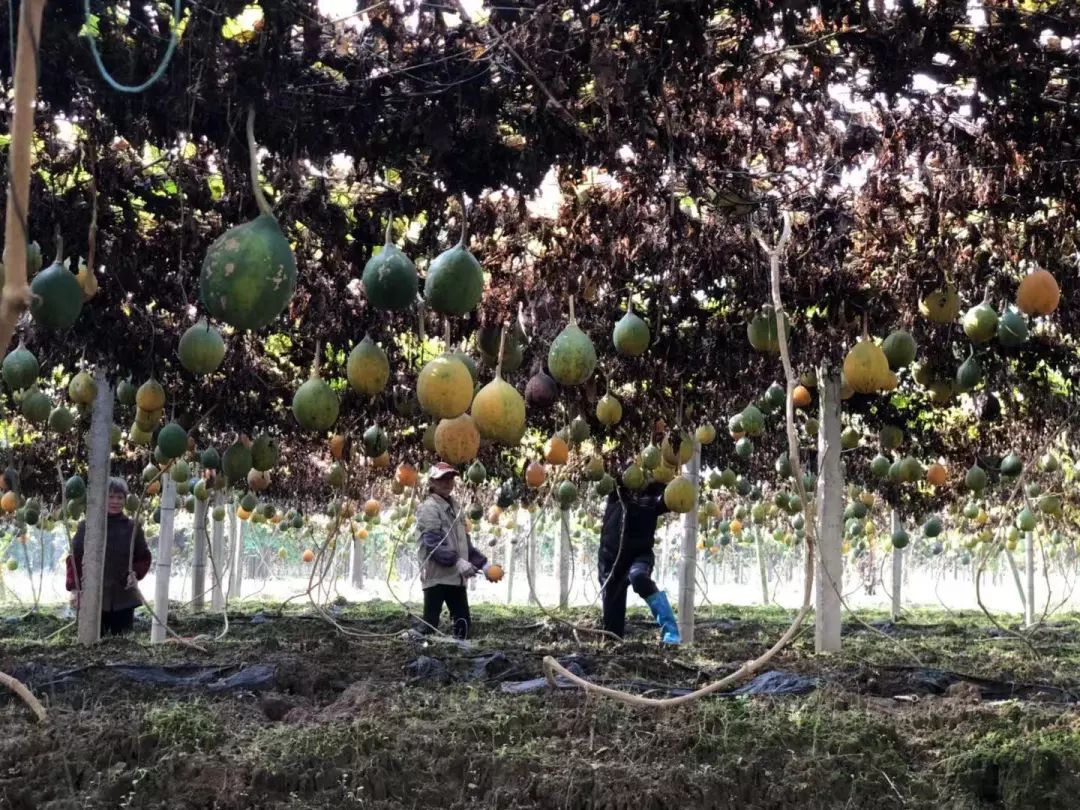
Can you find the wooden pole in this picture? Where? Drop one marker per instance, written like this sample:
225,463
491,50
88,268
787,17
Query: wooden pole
163,571
562,558
688,557
236,581
509,569
198,558
217,543
356,564
15,297
97,504
830,498
897,569
1029,571
530,567
762,572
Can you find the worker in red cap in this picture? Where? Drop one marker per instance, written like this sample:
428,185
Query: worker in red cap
447,558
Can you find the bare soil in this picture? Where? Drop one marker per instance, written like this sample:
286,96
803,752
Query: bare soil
352,720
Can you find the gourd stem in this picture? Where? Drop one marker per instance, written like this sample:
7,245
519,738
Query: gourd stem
464,223
629,305
446,333
59,247
502,351
253,150
865,330
390,228
318,359
573,319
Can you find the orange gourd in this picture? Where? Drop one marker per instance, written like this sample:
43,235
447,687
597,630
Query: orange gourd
406,475
556,451
535,474
937,475
1038,293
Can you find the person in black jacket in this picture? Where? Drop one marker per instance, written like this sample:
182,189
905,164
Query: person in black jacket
119,593
626,558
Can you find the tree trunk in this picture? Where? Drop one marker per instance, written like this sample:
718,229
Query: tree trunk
762,572
1016,577
562,558
897,569
198,557
97,498
830,499
688,558
163,572
217,557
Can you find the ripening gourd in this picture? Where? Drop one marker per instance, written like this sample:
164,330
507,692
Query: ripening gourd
866,368
499,410
368,368
444,387
572,356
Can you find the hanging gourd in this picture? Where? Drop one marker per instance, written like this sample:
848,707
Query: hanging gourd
631,335
762,333
201,349
941,305
498,409
455,281
980,322
866,368
56,298
20,368
572,357
1038,293
315,404
445,387
389,279
609,410
368,368
249,274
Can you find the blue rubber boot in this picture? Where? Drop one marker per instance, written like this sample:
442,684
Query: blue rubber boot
661,608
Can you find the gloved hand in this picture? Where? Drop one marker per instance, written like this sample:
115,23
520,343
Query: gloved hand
465,568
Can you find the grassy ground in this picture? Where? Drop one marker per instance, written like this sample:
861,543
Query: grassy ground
352,730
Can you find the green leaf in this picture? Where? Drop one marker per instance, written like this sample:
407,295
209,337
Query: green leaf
242,27
217,186
91,27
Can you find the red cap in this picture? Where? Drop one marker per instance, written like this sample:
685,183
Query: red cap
441,470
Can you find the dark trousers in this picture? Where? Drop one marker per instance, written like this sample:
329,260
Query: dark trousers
456,599
615,576
117,622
